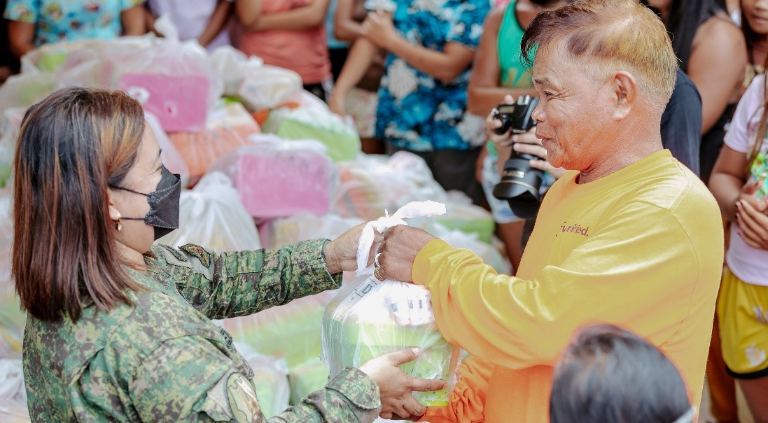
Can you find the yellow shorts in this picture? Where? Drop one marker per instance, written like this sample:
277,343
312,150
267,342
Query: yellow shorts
742,311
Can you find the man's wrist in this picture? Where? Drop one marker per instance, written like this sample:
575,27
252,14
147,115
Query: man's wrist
331,258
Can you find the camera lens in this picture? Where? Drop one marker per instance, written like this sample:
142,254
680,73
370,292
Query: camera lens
519,185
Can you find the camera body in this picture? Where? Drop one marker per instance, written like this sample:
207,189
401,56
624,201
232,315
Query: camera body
520,183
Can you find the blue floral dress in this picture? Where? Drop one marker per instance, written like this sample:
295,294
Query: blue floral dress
60,20
416,111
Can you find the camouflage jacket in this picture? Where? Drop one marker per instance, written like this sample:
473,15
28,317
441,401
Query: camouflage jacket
163,360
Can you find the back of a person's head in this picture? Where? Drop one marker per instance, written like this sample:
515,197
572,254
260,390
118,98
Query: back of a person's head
610,375
551,3
605,36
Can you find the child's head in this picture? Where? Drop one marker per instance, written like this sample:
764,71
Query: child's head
609,375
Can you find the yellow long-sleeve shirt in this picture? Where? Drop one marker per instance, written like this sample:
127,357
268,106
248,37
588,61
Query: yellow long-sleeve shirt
641,248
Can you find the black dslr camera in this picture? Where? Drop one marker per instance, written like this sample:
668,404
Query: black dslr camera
520,182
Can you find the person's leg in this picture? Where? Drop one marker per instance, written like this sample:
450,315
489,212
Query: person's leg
756,393
722,386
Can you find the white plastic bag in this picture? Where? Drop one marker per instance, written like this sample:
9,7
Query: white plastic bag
13,395
369,318
211,216
231,66
267,86
459,239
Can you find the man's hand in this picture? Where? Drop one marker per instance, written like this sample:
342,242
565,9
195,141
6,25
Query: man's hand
399,250
491,124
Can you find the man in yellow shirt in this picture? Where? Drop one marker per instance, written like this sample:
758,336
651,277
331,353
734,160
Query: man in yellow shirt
629,237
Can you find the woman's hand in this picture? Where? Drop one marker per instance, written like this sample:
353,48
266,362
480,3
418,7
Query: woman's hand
341,253
753,224
396,387
527,143
379,29
398,251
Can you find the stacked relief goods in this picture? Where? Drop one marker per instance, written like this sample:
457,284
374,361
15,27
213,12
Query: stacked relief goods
269,165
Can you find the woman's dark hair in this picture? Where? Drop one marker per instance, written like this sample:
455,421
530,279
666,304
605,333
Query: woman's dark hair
610,375
685,17
750,36
72,146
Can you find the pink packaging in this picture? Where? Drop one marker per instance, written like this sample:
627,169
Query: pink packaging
280,179
178,101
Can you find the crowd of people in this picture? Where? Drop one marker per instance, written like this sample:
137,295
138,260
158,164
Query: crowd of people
645,267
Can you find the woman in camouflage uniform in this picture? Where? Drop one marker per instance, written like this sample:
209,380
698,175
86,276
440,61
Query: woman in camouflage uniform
119,329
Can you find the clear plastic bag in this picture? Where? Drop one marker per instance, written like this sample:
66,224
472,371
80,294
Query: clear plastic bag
277,178
12,319
459,239
270,377
229,127
317,123
369,318
303,226
13,395
374,183
264,87
211,216
462,215
232,65
26,89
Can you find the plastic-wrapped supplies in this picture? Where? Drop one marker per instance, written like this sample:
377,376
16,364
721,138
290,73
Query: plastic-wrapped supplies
26,89
315,123
264,87
459,239
270,377
278,178
373,183
228,128
13,395
212,216
9,134
12,319
370,317
290,331
462,215
303,226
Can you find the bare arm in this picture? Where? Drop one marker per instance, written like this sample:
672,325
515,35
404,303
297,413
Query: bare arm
134,21
248,12
359,60
345,28
216,23
299,19
727,180
20,37
716,67
484,92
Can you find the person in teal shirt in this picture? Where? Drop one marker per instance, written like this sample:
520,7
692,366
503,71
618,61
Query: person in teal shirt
33,23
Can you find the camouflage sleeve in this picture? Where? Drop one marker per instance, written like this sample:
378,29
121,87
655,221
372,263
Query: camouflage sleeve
242,283
188,379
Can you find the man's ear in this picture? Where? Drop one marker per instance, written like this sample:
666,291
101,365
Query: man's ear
624,92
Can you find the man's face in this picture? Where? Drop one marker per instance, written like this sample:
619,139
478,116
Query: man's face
573,110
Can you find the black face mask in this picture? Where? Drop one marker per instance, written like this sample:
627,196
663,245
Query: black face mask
163,212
